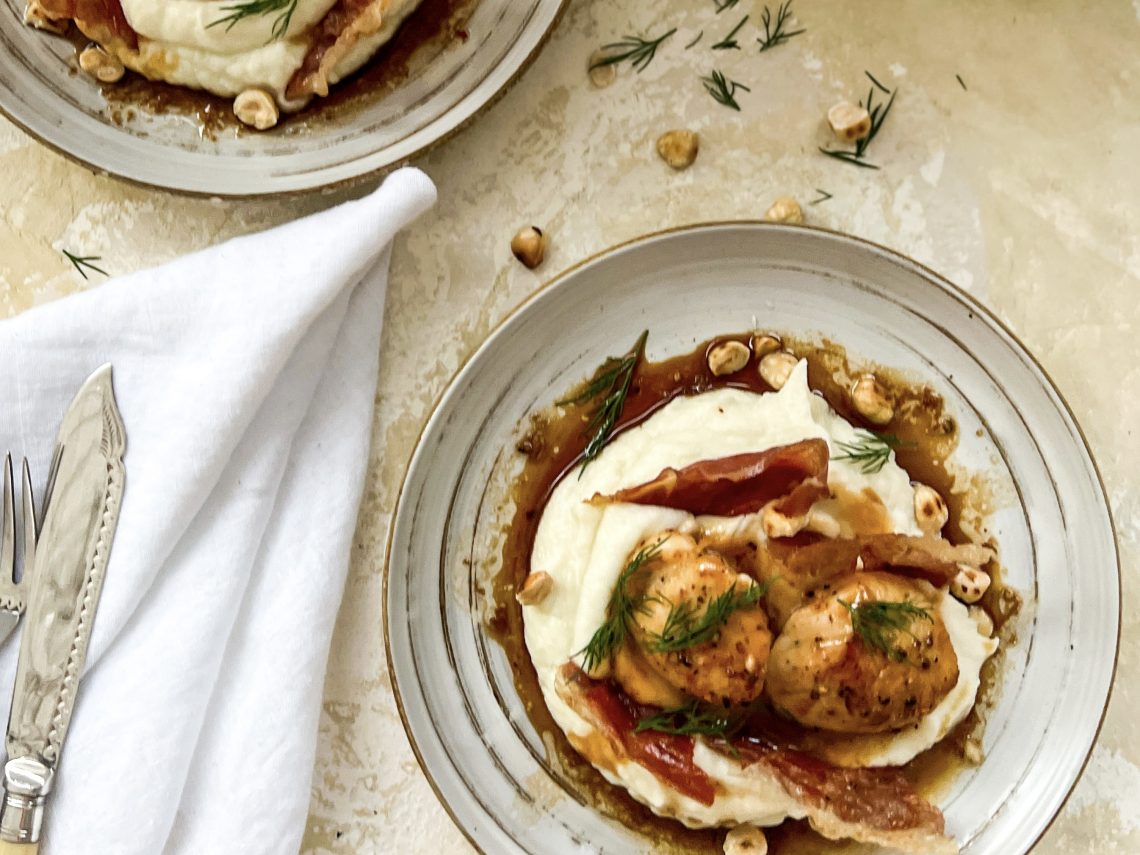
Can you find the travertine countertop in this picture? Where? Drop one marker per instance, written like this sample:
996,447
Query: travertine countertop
1021,185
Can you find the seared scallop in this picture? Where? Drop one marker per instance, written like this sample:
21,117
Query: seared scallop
872,655
701,624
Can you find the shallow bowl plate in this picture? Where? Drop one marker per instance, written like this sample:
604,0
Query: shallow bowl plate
41,91
473,738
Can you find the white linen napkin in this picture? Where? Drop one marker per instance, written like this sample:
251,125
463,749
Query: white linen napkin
246,376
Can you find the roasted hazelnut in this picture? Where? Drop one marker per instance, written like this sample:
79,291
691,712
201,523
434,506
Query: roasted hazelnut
535,589
256,108
785,210
970,585
871,400
849,122
529,246
745,840
101,65
728,357
776,368
679,148
930,511
763,344
602,73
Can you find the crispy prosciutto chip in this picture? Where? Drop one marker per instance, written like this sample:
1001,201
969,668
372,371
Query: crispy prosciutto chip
869,805
100,20
741,484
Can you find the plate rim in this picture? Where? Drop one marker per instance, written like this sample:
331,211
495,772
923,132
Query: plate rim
373,174
893,255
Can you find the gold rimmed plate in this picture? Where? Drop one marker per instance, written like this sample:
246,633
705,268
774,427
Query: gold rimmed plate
455,687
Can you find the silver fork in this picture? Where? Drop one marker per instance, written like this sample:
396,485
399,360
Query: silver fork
13,594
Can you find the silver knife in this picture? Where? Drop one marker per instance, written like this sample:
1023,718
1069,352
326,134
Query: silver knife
70,562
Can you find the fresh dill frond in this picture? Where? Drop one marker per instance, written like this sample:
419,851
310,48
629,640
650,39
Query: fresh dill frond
729,42
693,43
721,5
961,82
80,262
620,610
638,51
878,623
871,450
774,32
691,720
723,90
284,10
684,629
822,197
878,85
878,113
613,379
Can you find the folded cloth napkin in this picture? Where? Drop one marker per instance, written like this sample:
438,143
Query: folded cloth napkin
246,376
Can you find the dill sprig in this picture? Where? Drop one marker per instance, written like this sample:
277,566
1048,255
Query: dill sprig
871,450
723,90
729,42
255,8
961,82
878,85
879,623
691,720
774,33
693,43
613,378
822,197
683,629
619,612
878,113
721,5
79,262
637,50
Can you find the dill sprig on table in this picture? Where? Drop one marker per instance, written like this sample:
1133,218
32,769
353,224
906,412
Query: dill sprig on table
871,450
774,32
723,90
878,113
721,5
961,82
878,85
79,262
683,629
729,42
693,43
284,10
822,197
691,720
637,50
619,612
613,379
878,623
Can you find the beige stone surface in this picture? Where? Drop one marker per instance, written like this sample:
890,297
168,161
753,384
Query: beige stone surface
1023,188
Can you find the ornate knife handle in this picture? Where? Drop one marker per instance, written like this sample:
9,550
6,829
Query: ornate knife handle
27,782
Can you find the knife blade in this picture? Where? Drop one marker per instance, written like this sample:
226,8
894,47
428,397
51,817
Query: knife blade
70,563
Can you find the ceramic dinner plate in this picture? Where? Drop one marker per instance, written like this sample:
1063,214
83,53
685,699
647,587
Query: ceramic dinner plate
41,91
487,763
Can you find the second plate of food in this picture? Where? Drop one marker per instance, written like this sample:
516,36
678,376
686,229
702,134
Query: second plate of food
446,61
746,531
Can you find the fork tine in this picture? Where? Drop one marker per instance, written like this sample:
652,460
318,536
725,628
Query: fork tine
31,525
8,544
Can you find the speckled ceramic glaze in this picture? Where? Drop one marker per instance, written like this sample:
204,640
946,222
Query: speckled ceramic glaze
472,736
41,91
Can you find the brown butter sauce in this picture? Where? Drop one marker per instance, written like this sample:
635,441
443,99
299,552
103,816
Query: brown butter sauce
552,446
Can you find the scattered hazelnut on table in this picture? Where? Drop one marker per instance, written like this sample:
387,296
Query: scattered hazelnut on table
602,73
785,210
871,400
679,148
256,108
776,368
970,585
849,122
930,511
529,246
763,344
535,589
728,357
101,65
